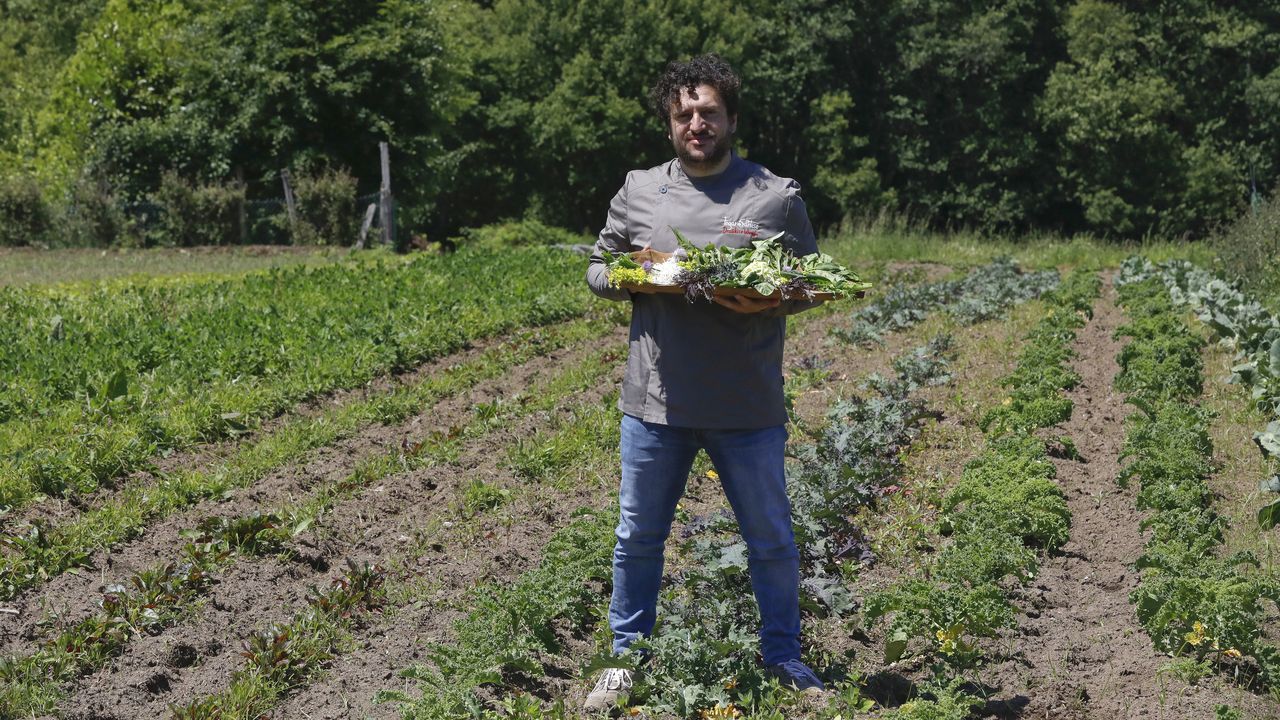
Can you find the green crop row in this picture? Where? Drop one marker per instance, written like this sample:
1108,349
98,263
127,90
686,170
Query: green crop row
82,649
1191,601
512,628
312,636
98,381
703,654
985,293
1245,325
702,659
1005,511
41,551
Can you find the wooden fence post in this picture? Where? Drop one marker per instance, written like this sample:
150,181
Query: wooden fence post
364,226
289,200
241,210
386,209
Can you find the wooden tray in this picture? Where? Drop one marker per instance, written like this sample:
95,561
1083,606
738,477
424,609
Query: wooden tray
657,256
719,292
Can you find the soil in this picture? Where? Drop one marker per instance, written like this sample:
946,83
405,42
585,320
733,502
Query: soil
43,611
375,525
1077,653
1079,650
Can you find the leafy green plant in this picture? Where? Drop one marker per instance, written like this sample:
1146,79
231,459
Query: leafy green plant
947,701
201,359
985,293
1192,603
942,620
1010,488
479,496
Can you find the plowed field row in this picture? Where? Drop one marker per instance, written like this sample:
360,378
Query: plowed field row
436,545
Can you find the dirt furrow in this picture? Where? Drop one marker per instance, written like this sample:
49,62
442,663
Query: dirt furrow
72,596
347,690
197,658
1079,651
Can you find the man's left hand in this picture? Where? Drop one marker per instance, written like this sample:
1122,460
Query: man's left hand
738,303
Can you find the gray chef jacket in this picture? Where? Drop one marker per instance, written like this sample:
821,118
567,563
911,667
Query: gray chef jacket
698,364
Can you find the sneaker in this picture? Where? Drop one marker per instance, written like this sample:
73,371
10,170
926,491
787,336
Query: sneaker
612,683
797,676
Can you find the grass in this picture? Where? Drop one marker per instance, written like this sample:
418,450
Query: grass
902,528
25,266
873,243
1242,466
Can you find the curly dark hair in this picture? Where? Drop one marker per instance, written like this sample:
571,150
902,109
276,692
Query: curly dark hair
709,69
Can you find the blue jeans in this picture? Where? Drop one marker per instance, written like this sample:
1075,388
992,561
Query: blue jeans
656,460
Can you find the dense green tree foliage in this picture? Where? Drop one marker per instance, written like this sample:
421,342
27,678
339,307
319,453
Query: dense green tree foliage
1118,117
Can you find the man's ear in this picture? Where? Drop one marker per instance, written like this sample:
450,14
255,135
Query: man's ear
733,125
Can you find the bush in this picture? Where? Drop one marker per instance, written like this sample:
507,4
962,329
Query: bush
1250,248
204,214
25,218
326,201
523,232
93,217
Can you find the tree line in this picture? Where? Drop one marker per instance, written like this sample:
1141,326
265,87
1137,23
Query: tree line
1121,118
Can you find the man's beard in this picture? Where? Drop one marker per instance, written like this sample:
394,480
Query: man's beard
719,150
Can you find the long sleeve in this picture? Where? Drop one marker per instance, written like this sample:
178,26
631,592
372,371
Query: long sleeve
800,240
614,238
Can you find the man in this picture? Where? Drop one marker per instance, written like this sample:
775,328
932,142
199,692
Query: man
703,375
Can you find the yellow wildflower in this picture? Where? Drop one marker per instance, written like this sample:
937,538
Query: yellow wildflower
1232,652
713,475
720,711
1197,634
948,639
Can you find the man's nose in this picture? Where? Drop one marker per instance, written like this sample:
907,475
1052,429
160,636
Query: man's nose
697,123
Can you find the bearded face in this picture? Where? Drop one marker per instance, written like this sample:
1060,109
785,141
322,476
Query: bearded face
701,130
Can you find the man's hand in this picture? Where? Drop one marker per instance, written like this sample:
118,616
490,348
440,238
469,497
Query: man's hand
738,303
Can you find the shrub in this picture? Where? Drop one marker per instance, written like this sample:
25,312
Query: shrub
25,218
326,202
1250,248
93,217
522,232
198,214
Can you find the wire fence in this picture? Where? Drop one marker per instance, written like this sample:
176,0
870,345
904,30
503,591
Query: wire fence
260,222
